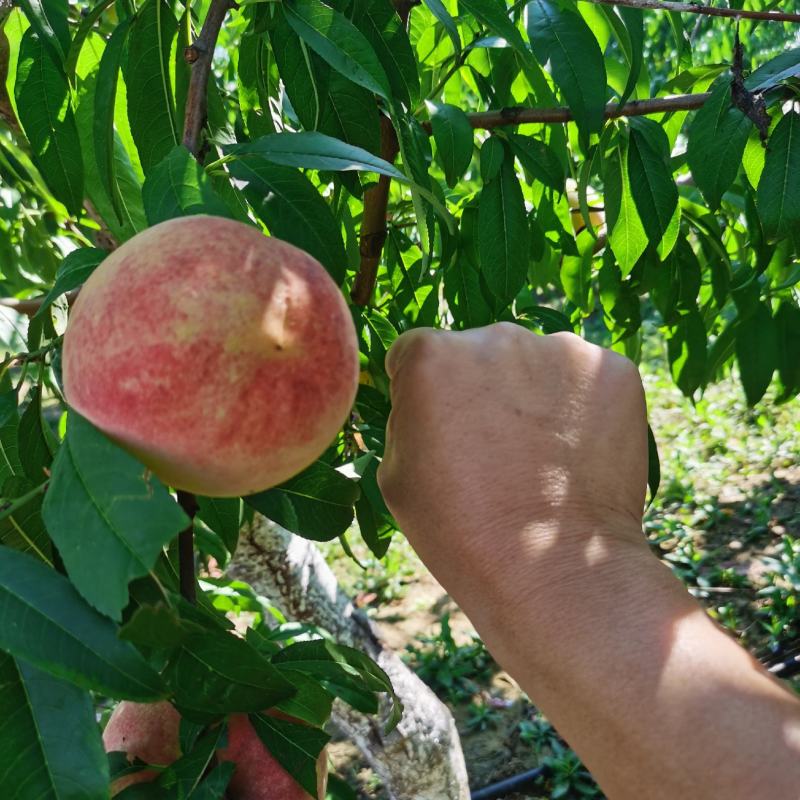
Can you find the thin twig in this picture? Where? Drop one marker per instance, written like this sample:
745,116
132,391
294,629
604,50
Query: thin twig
30,306
186,570
200,55
710,11
7,509
35,355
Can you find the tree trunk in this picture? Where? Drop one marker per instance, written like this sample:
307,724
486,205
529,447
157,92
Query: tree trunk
422,757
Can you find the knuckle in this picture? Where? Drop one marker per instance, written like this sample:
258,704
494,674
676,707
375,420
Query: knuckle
411,349
628,371
506,332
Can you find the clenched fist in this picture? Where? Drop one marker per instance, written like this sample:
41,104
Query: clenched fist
503,443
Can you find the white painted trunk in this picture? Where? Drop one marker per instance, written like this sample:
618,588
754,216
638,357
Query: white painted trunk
422,758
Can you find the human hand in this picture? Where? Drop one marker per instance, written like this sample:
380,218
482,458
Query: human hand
513,460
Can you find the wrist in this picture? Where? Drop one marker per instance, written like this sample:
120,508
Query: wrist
562,585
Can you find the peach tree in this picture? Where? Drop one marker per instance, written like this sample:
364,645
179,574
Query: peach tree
626,169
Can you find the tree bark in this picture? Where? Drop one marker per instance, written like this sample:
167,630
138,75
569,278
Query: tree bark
422,757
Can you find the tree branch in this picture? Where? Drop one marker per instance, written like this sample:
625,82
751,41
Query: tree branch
201,55
498,118
710,11
373,221
186,567
31,306
376,199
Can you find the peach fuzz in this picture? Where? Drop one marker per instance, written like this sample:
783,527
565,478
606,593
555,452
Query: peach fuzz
223,359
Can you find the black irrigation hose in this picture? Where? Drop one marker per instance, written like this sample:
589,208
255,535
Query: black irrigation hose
517,783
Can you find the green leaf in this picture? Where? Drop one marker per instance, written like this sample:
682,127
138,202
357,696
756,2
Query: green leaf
179,187
720,352
550,320
48,624
312,703
158,626
314,150
338,666
224,516
382,328
633,19
576,273
653,465
374,520
780,68
493,153
538,159
465,297
757,352
437,8
48,19
253,85
787,321
76,267
453,135
23,529
216,673
214,785
316,504
151,106
778,198
717,139
561,37
322,98
184,775
494,15
104,104
101,500
34,451
292,208
687,352
503,235
339,42
88,22
653,189
45,113
49,741
129,217
296,747
627,236
300,70
317,151
381,25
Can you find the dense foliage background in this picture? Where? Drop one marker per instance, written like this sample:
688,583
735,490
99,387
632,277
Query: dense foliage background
679,228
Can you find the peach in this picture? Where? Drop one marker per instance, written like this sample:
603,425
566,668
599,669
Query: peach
149,731
258,776
223,359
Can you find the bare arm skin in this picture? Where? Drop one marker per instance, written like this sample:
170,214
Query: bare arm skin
516,466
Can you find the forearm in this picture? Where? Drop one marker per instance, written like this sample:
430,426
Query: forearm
655,698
